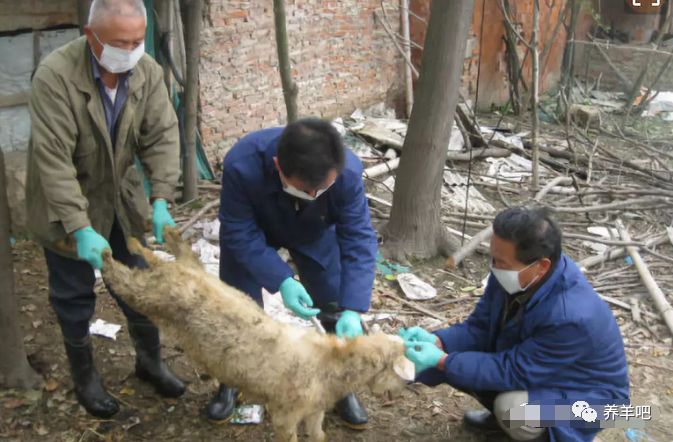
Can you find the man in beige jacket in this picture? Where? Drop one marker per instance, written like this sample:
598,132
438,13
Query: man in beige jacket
95,103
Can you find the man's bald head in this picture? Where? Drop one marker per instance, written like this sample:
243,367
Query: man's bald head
102,9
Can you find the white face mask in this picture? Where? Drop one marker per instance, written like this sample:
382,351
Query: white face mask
509,279
291,190
117,60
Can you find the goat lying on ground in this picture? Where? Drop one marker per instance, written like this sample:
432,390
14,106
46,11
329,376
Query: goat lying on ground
297,373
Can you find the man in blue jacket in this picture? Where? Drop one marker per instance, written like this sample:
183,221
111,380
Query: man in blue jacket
299,188
539,335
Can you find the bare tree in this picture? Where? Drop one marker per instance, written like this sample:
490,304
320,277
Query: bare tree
290,90
535,99
415,222
15,372
193,39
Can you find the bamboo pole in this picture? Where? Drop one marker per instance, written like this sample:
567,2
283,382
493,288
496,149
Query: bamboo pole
648,280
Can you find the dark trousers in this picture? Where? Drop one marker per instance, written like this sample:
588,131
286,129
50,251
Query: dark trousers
71,284
322,282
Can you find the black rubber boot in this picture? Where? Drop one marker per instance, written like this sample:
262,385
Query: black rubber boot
149,366
89,388
481,420
352,412
222,405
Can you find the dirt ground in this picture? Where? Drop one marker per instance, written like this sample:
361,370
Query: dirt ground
417,414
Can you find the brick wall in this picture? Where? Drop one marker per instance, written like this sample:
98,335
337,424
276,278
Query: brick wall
341,58
490,46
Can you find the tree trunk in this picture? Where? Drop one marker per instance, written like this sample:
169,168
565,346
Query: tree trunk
82,14
15,372
535,96
189,176
568,64
290,90
513,62
415,221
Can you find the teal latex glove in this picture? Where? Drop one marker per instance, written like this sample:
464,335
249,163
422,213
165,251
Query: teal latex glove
90,246
349,325
296,298
160,219
424,355
417,334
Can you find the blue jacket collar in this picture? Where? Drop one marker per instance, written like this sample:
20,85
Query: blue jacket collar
272,178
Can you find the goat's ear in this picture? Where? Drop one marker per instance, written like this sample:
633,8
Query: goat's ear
404,368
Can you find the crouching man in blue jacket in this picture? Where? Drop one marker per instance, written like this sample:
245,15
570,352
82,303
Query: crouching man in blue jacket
539,335
298,187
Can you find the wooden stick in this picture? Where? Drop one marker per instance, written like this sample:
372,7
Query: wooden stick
199,214
652,287
624,305
414,306
630,203
477,153
558,181
660,367
485,234
471,246
380,169
600,240
386,27
614,253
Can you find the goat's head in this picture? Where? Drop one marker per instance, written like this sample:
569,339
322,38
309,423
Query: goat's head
382,357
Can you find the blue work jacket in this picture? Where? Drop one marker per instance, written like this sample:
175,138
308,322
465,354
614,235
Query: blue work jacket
566,346
257,217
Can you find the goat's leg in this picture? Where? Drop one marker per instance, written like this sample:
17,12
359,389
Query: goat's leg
284,425
181,248
136,248
313,424
121,279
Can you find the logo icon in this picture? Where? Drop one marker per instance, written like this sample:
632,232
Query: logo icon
582,410
578,407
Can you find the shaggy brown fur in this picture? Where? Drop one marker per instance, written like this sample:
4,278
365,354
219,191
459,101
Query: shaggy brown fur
297,373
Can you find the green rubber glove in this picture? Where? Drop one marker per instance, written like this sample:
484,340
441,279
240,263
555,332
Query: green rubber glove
349,325
296,298
424,355
90,246
417,334
160,219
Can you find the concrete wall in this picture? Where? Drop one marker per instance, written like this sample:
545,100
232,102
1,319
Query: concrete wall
36,14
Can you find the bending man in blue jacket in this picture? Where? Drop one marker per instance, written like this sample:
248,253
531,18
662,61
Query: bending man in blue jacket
298,187
539,335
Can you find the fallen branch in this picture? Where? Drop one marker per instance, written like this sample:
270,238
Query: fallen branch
484,152
380,169
600,240
633,204
199,214
485,234
391,34
648,280
614,253
414,306
625,306
470,247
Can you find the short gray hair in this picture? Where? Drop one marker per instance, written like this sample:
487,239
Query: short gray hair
128,8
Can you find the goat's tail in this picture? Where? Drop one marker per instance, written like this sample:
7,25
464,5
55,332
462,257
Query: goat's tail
181,248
